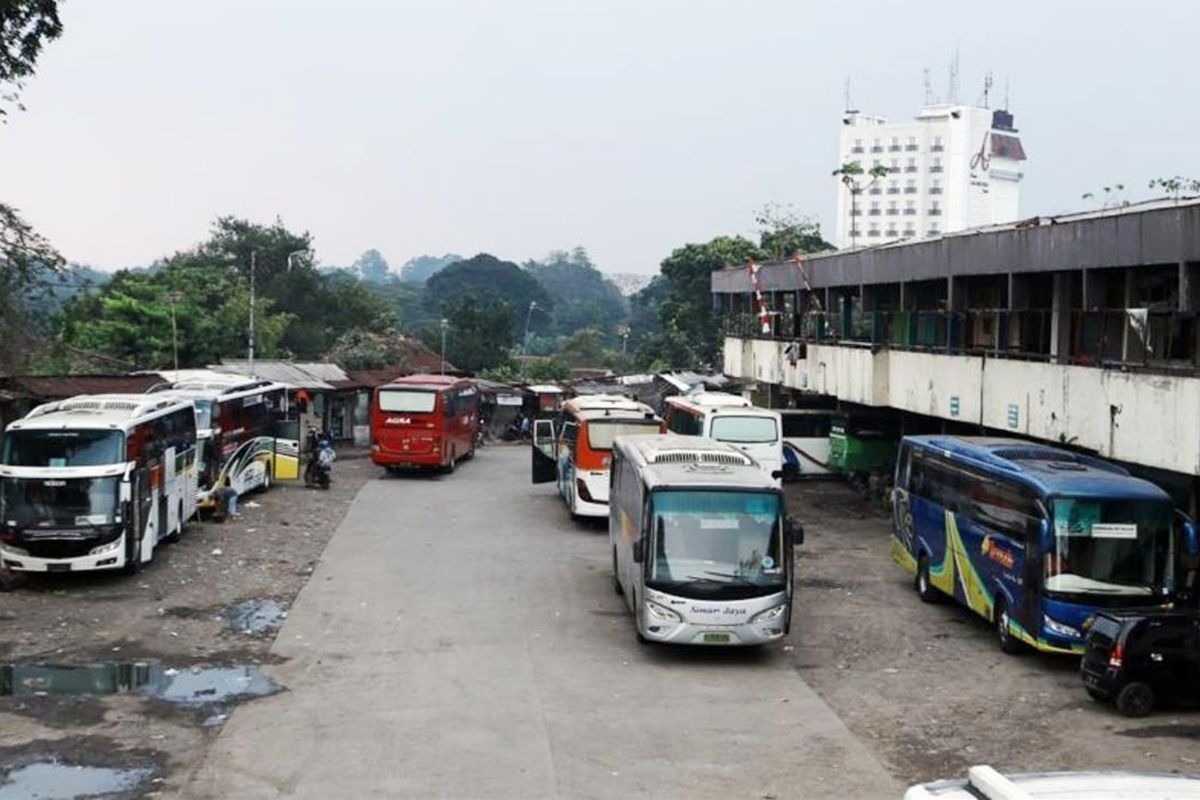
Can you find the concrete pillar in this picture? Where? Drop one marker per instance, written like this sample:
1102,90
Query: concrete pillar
1060,319
1093,291
1127,300
1189,301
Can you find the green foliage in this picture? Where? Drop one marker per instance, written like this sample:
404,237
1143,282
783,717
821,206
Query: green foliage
360,348
479,332
25,27
422,268
487,277
372,267
584,349
546,370
27,263
784,233
1177,186
583,297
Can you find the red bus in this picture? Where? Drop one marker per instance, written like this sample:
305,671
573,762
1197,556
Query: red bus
424,421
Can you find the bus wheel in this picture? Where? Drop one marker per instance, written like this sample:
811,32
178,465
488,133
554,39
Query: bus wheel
1008,643
616,581
925,589
266,481
453,462
1136,699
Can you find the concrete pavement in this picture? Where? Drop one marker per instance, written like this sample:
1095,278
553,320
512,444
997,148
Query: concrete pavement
461,639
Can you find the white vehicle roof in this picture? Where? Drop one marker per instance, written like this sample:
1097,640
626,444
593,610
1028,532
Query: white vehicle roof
598,406
98,411
670,460
985,782
709,400
206,389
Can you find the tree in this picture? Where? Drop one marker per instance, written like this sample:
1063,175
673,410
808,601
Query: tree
372,267
1112,195
479,333
422,268
486,276
546,370
854,179
784,233
583,297
25,27
584,349
1176,186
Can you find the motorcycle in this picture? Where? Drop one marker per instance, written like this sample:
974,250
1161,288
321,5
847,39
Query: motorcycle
320,470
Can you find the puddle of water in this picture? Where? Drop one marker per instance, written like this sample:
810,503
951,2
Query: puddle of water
190,686
53,780
256,616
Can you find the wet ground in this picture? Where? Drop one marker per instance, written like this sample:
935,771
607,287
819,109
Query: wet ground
926,686
117,685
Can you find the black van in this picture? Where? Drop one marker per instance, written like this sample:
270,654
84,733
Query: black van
1143,659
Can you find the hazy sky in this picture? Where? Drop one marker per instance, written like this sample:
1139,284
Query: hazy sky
630,127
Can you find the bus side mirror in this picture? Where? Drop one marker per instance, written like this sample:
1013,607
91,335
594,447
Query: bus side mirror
795,531
1191,542
638,553
777,474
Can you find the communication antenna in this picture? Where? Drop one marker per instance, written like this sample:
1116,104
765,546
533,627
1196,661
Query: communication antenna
987,88
1006,94
952,89
928,87
847,95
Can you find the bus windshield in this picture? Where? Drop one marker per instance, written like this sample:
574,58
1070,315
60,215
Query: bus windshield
601,432
407,401
1111,547
63,448
744,430
204,414
716,540
47,503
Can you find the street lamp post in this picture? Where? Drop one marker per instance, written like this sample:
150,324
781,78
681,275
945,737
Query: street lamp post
173,298
253,268
528,319
445,326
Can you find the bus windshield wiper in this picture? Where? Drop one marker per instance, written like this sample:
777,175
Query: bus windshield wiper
732,577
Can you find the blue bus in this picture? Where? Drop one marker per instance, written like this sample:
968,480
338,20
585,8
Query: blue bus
1033,538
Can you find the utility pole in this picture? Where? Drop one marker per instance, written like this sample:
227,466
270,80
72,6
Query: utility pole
528,319
174,297
250,343
445,327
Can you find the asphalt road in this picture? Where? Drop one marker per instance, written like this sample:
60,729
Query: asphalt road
460,638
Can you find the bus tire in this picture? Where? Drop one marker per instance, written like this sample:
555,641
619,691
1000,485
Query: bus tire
925,588
1136,699
265,486
616,580
1008,643
450,467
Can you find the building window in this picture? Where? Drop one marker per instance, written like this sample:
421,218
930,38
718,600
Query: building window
874,190
877,147
912,165
934,232
895,165
936,187
858,147
892,210
895,148
937,165
892,232
893,188
875,162
912,144
873,232
911,187
874,210
910,208
934,210
855,233
936,147
856,212
910,231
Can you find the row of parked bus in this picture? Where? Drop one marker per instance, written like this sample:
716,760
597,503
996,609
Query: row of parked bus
99,481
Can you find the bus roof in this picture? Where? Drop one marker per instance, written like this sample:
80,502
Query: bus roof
425,381
599,406
711,400
105,411
669,460
1050,470
217,390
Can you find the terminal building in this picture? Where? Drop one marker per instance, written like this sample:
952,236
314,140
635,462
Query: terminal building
1076,330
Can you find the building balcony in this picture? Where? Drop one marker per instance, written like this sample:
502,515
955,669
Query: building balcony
935,212
893,212
911,169
874,190
935,190
910,190
856,149
910,212
936,168
936,148
912,148
893,190
874,212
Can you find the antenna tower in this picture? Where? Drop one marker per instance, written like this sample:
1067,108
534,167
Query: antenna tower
987,88
952,89
928,87
1006,94
849,107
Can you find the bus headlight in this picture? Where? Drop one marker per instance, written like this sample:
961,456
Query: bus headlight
1059,629
106,548
770,615
662,613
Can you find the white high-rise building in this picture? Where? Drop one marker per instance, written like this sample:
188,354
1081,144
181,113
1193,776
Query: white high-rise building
953,167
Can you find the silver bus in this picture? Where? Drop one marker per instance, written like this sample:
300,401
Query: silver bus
701,545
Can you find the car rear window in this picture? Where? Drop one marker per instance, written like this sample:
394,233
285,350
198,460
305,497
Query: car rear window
1106,627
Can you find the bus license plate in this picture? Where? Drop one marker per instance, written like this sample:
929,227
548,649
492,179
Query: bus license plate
716,638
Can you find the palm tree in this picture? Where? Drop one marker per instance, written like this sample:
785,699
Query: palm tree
852,175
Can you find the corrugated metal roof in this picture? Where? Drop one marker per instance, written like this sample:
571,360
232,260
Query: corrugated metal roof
57,387
284,372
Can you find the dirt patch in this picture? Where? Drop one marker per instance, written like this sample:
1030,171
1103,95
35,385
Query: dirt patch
925,686
176,613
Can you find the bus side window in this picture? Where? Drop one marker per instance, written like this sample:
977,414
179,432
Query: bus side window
570,434
450,404
904,468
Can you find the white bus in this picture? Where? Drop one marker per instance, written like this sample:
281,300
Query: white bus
701,544
806,441
96,482
237,419
732,419
575,449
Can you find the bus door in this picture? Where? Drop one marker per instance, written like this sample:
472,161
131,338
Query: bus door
545,451
141,505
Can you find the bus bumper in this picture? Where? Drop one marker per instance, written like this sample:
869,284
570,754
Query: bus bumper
673,620
585,509
383,458
107,556
709,635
